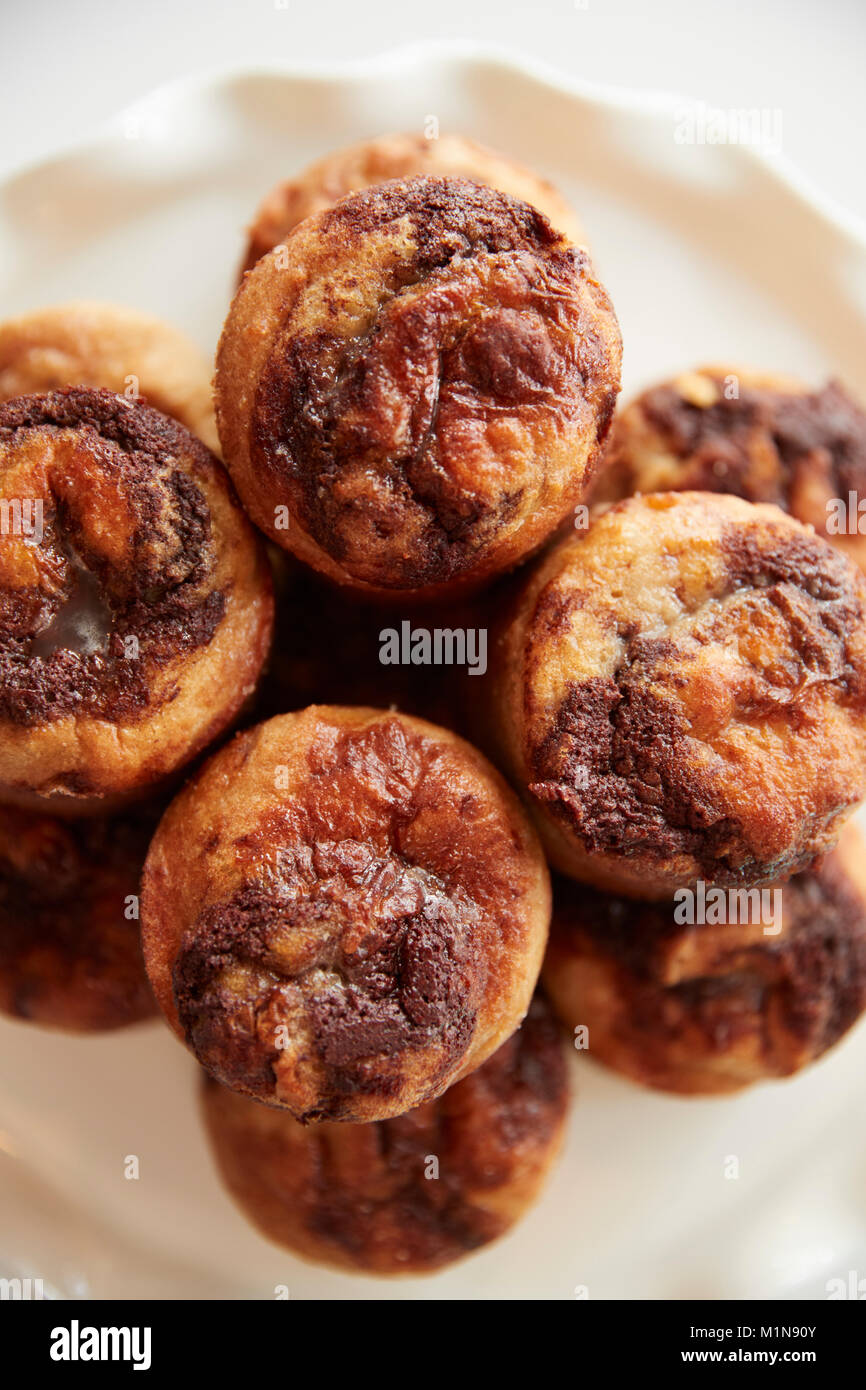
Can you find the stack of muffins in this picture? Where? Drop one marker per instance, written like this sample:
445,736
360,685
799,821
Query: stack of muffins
344,905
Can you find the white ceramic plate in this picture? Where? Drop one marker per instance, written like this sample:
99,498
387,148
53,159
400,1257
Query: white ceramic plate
711,252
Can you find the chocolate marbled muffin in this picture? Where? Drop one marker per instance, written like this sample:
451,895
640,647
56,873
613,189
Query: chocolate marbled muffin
701,1009
681,694
763,437
70,951
135,599
398,157
86,343
406,1195
344,912
413,391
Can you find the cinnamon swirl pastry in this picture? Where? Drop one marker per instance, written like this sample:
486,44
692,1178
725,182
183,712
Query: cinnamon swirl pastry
110,346
70,951
398,157
762,437
135,601
412,393
681,693
406,1195
344,913
700,1008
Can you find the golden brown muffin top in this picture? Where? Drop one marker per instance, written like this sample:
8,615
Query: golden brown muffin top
88,343
764,438
135,600
342,910
694,676
361,1196
421,377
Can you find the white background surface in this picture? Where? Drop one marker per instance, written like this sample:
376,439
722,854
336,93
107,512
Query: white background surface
67,66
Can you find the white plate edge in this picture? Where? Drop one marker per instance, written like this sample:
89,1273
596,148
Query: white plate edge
783,172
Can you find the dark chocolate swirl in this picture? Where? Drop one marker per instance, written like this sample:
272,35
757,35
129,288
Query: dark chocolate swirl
430,390
690,694
358,920
764,438
135,603
126,552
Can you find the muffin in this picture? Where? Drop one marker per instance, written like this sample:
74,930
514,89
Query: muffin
762,437
411,1194
398,157
135,600
680,692
70,950
676,1000
108,345
413,392
335,646
344,913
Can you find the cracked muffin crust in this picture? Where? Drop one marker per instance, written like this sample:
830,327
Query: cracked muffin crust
413,392
135,599
405,1195
681,694
70,951
85,343
702,1009
762,437
344,912
398,157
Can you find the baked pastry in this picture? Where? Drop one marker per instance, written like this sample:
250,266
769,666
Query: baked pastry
406,1195
344,913
135,600
398,157
108,345
70,950
702,1008
412,394
681,694
763,437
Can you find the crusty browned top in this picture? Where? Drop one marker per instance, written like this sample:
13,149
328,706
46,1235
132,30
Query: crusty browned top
720,440
127,552
485,334
763,641
630,741
404,988
366,1196
70,954
364,924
